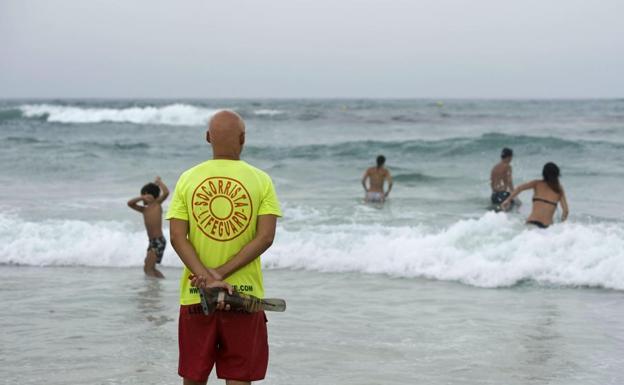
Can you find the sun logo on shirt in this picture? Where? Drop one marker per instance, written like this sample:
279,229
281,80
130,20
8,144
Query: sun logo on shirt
222,208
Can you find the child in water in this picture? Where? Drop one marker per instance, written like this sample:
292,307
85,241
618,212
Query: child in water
152,196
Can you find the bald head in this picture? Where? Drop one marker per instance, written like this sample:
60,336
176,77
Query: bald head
226,134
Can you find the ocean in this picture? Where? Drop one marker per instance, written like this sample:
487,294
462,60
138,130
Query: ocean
431,288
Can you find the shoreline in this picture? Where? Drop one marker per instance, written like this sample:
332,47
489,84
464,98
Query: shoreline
112,324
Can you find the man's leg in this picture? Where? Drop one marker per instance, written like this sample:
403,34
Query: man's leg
244,355
150,265
228,382
197,341
191,382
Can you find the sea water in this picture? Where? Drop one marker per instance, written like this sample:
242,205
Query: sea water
430,288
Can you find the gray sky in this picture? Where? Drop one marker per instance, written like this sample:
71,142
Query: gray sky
312,48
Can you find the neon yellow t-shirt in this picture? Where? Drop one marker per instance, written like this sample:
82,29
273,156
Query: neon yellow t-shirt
221,200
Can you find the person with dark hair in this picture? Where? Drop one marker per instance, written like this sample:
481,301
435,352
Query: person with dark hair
547,193
377,176
500,179
152,199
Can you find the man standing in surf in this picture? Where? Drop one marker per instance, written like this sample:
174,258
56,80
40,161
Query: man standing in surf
222,218
501,180
377,176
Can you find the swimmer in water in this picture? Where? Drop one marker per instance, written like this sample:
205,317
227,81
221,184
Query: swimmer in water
377,176
151,199
547,193
500,179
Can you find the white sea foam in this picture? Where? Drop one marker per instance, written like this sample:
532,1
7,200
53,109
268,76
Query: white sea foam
73,242
173,114
492,251
267,112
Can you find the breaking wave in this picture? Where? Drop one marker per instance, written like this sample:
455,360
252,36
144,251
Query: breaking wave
173,114
177,114
494,250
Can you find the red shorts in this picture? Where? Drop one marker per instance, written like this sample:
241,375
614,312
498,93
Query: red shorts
236,342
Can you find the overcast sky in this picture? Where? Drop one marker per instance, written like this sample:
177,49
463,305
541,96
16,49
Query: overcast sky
312,48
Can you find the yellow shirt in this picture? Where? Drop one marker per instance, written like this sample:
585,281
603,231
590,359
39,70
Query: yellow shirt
221,200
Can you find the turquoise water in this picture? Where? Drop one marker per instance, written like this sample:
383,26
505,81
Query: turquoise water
71,165
431,288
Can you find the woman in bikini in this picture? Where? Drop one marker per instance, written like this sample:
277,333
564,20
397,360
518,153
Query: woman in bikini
547,193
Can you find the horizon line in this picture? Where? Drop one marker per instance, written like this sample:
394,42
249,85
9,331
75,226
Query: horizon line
510,98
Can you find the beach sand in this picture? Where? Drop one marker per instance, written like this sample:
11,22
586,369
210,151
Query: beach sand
76,325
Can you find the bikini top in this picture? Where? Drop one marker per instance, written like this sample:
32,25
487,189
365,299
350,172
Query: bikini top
537,199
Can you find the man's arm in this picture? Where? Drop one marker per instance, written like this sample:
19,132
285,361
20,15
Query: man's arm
509,179
389,180
134,204
364,180
178,230
202,277
164,191
265,233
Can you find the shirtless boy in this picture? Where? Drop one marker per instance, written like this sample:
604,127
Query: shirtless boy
500,178
377,176
152,196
